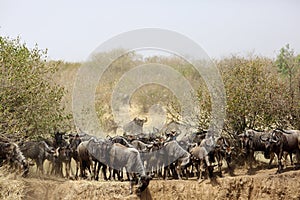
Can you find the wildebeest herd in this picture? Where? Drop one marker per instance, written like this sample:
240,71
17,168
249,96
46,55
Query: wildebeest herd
143,157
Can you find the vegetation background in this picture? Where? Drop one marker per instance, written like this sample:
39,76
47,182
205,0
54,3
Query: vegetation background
36,94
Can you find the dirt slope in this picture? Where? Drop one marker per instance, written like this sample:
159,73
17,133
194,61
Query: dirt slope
263,185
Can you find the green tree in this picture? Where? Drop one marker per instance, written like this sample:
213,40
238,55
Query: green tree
288,66
30,100
253,94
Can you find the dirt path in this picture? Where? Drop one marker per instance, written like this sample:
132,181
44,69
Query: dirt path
263,185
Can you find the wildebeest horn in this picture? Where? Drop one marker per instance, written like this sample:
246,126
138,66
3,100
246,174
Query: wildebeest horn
146,119
225,142
274,141
241,135
263,139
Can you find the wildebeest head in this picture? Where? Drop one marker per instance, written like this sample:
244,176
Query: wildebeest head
59,139
74,142
271,140
140,121
223,145
63,153
245,139
143,182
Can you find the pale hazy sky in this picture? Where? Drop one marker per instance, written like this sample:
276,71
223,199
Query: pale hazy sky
71,29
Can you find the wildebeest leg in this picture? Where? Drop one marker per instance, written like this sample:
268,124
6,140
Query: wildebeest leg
251,158
77,168
96,170
127,174
39,166
291,158
60,168
104,168
110,176
166,170
179,170
201,169
131,182
272,156
279,155
297,157
68,167
174,171
219,160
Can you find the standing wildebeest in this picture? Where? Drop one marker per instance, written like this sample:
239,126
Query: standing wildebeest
62,155
134,127
283,140
201,154
74,143
174,154
251,142
118,156
85,159
155,159
222,151
10,153
59,140
205,154
37,151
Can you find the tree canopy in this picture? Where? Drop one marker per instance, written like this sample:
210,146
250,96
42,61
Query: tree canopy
30,100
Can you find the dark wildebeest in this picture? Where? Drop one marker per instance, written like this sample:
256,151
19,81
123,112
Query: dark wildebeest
75,140
121,140
222,151
11,153
283,140
251,141
37,151
118,156
174,154
62,155
59,140
85,159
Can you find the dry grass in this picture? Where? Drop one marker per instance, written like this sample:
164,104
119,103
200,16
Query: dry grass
11,186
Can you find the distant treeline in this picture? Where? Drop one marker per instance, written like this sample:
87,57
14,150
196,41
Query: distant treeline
36,95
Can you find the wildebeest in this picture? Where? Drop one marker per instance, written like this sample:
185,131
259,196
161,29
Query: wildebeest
155,159
251,141
134,127
121,140
62,155
118,156
222,151
85,162
37,151
201,154
85,159
174,153
283,140
59,140
10,153
141,146
74,141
